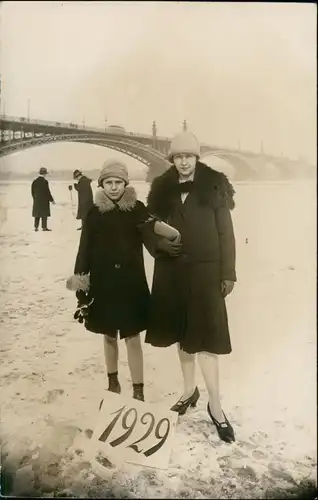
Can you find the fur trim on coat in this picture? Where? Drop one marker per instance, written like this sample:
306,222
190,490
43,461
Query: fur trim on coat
212,188
126,202
78,282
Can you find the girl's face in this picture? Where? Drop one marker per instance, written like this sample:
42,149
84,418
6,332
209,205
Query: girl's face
185,164
114,188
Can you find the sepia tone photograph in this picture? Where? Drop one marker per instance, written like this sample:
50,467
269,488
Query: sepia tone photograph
160,342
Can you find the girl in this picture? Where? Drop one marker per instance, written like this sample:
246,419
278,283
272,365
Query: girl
110,278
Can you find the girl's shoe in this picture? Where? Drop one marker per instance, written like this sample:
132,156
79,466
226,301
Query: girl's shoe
138,392
113,383
225,430
182,406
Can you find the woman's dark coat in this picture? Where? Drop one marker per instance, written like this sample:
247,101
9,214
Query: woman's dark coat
85,197
187,305
110,265
41,197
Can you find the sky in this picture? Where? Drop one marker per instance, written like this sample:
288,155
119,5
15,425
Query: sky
237,72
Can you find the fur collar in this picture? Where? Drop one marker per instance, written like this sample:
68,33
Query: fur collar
211,188
126,202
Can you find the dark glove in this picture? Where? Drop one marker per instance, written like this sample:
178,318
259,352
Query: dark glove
82,298
169,247
83,306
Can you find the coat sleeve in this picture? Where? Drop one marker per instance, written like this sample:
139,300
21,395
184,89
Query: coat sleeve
49,193
75,186
82,265
146,228
227,242
33,189
80,280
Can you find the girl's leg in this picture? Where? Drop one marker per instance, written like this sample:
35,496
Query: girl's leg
209,364
111,359
111,353
135,359
187,362
136,367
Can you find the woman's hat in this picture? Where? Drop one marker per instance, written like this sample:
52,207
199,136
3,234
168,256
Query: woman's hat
185,143
43,171
113,168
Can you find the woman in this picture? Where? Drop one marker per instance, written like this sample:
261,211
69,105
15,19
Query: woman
110,278
192,278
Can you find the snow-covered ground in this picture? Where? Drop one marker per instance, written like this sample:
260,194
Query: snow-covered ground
53,374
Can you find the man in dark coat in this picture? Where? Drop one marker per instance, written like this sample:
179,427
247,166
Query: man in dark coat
42,198
85,195
192,278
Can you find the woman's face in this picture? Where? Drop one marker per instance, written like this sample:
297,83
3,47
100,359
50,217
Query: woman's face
185,164
114,187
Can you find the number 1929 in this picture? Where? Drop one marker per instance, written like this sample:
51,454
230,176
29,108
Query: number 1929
146,419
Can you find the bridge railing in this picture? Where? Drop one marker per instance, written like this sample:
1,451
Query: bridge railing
75,126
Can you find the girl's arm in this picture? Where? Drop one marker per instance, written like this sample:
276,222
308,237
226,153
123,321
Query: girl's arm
80,280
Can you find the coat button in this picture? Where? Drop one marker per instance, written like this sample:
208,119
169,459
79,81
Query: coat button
117,266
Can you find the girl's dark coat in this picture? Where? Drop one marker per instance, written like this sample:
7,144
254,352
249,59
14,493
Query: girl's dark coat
42,197
85,197
187,305
110,265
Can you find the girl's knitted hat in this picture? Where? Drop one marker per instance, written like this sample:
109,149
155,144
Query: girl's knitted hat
113,168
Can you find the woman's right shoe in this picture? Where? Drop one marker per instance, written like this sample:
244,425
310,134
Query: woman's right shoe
225,430
182,406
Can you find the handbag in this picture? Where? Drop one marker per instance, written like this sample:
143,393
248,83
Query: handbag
166,231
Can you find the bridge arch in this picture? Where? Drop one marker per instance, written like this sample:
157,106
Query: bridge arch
153,159
243,166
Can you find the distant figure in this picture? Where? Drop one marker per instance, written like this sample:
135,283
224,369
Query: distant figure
85,195
42,197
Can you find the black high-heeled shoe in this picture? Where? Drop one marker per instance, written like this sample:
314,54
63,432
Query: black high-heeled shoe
225,430
182,406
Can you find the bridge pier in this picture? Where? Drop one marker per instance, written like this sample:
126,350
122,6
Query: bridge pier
155,169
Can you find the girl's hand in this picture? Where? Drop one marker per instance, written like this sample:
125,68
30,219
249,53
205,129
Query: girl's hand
227,287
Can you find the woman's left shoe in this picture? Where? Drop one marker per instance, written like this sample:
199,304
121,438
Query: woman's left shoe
182,406
138,392
225,430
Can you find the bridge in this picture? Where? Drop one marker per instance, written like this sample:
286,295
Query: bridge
20,133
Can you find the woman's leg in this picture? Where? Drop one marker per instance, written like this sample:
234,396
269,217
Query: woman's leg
209,364
135,359
187,362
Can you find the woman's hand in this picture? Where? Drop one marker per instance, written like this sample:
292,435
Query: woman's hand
170,247
227,287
